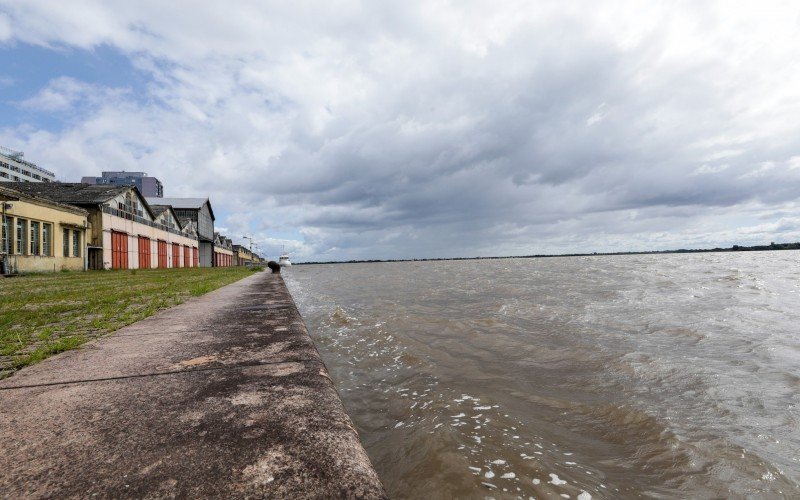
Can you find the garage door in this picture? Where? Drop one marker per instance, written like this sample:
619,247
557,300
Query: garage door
119,250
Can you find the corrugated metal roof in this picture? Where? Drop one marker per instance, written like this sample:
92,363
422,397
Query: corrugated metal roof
185,203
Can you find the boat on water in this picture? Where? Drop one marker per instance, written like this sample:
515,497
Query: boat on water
284,261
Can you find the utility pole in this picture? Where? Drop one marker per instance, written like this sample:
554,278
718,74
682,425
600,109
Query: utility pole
251,246
251,242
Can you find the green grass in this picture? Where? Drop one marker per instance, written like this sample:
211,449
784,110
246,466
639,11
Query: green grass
44,314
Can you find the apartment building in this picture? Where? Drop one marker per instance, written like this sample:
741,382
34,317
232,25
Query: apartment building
148,186
13,168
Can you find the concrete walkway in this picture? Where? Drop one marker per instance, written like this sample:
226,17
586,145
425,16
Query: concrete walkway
223,396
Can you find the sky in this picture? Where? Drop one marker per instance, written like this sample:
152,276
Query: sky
344,130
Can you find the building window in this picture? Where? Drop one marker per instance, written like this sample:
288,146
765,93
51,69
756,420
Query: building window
21,236
47,231
34,249
76,244
66,243
7,244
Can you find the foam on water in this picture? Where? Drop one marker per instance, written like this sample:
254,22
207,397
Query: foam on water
648,375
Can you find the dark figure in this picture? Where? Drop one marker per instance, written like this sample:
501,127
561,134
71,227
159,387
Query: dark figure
276,268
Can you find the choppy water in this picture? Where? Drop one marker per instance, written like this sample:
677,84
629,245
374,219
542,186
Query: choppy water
668,376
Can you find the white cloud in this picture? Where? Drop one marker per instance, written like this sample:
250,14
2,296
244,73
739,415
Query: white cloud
65,93
432,129
5,27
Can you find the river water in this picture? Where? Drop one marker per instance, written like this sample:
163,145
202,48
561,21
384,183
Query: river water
667,376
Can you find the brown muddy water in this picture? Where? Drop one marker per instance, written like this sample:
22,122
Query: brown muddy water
671,376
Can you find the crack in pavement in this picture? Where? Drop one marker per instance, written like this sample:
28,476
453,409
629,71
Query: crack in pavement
170,372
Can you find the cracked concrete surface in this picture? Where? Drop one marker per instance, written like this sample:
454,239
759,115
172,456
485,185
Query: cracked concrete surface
223,396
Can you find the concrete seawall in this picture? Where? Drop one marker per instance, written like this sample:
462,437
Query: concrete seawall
223,396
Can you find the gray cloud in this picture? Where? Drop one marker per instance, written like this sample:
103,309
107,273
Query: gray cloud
426,129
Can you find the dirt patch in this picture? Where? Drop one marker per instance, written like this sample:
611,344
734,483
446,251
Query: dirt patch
202,360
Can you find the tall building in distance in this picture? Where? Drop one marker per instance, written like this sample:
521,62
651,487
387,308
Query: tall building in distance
14,169
148,186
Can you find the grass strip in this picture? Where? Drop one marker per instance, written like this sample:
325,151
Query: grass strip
44,314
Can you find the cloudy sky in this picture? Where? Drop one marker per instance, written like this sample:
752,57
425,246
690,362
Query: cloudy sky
349,130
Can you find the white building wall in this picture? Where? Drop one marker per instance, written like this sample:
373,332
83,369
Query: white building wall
134,230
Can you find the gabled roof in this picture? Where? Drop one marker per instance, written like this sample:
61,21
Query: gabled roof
183,203
68,192
75,193
11,193
158,210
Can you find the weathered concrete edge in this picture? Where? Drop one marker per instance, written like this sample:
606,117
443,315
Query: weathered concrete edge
364,457
282,379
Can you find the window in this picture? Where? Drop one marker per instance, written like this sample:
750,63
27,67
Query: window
34,249
76,244
66,243
6,240
21,236
47,231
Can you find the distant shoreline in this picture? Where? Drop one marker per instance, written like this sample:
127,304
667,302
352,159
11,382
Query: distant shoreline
734,248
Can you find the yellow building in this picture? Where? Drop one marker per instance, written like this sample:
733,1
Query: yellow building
40,235
242,256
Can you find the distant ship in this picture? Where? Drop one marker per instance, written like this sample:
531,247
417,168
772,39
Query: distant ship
283,260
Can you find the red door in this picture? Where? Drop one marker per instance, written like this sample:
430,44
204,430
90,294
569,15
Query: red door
176,255
187,260
144,252
119,250
162,254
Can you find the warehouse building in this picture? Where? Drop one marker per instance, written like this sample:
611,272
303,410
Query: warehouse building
242,256
124,232
223,251
197,213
